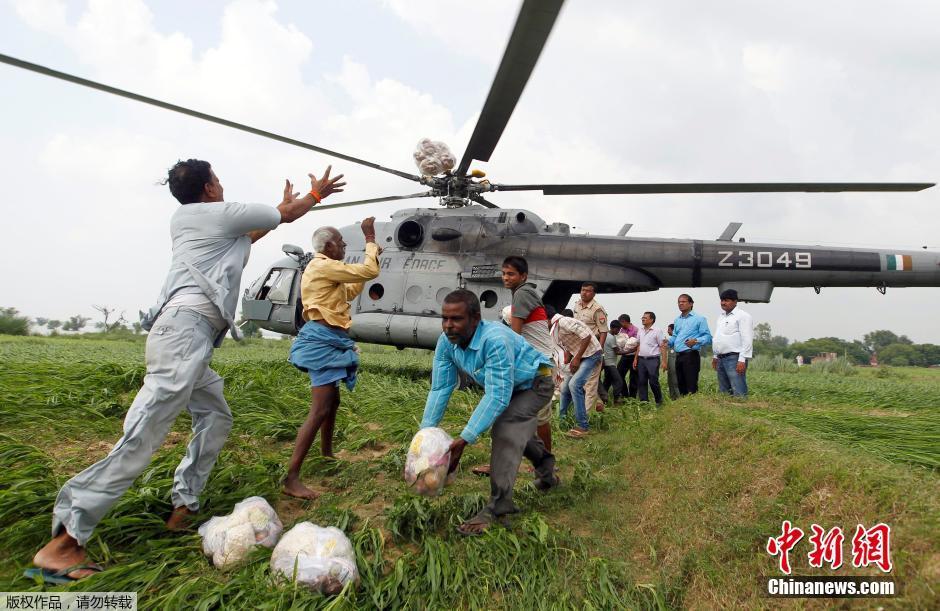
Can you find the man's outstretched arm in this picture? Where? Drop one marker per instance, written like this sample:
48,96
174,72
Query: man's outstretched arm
293,207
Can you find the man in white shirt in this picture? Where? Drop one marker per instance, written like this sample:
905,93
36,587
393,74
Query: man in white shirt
649,355
732,344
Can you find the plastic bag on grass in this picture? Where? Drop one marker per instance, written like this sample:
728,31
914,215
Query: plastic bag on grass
428,460
229,539
322,557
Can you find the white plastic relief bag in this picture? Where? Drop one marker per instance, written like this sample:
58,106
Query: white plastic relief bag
229,539
428,460
433,158
323,558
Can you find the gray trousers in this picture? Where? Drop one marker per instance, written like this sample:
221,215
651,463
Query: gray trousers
513,436
179,349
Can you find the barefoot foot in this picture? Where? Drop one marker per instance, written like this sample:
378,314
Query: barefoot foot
294,487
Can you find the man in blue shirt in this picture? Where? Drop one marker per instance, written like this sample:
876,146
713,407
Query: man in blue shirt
516,380
690,335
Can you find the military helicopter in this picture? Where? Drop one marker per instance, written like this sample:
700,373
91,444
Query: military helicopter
461,244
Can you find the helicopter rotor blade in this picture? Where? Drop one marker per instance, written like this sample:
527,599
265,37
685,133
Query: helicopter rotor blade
717,187
480,200
533,25
371,201
12,61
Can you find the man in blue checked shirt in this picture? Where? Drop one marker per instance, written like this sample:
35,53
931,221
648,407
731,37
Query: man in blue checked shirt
690,335
516,380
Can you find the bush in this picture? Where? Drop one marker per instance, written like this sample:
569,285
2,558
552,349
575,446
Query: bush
777,363
11,323
838,366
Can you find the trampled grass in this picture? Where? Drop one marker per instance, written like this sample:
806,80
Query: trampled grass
659,509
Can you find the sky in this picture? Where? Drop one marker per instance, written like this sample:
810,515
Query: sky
684,91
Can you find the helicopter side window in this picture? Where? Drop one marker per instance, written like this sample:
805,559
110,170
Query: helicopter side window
277,286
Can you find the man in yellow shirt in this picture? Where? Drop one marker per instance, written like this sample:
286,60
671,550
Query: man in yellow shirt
323,347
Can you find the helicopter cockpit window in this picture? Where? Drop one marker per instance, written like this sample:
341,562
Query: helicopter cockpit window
488,299
277,286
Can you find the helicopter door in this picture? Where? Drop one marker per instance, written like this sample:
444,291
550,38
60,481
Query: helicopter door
274,303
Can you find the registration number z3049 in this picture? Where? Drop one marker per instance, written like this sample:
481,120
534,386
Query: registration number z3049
765,258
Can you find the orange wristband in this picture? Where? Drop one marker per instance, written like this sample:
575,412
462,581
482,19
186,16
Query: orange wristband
316,195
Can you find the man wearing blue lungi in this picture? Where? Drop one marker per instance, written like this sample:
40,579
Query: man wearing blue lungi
323,347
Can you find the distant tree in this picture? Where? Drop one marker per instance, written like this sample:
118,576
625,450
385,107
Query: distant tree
899,355
137,328
11,323
876,340
766,343
40,322
854,351
248,327
106,326
52,325
762,332
75,323
929,354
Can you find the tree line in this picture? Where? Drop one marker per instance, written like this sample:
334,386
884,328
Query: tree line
12,322
888,347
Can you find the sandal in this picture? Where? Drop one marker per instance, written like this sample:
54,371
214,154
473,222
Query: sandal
481,470
62,576
484,518
542,486
577,433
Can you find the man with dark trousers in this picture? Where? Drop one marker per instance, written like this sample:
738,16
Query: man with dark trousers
517,382
649,355
690,336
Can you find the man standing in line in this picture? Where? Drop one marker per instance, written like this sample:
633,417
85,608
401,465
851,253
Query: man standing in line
591,313
612,378
649,355
211,241
517,382
323,348
577,339
670,364
733,345
691,335
529,319
625,366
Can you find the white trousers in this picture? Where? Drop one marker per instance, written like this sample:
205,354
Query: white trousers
179,350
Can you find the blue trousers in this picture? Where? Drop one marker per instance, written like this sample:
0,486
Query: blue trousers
730,382
574,390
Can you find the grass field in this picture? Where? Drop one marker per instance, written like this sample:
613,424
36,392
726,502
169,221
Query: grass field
658,509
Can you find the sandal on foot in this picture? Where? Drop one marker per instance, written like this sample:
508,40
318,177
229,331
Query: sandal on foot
543,486
486,519
481,470
577,433
62,576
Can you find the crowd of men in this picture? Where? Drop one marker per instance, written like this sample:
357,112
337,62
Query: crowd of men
521,363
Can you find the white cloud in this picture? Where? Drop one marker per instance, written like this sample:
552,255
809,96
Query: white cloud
644,93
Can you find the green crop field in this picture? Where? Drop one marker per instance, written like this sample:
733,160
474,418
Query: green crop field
667,508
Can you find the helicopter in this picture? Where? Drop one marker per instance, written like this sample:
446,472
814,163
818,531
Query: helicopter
461,244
